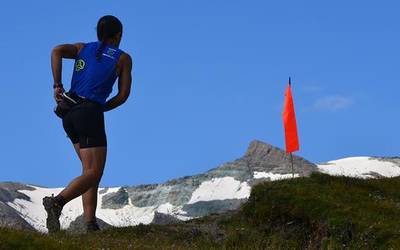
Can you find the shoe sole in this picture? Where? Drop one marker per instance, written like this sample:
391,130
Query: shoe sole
52,221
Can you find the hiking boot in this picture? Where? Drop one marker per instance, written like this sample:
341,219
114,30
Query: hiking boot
92,227
53,210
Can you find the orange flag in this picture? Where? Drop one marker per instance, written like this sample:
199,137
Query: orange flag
289,122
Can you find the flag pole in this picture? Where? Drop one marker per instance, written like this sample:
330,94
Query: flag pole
291,155
291,161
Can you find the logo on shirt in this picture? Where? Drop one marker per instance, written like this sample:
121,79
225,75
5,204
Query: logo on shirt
110,53
79,65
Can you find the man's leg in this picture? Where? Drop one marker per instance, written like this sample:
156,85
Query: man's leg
92,151
93,161
89,202
85,128
89,198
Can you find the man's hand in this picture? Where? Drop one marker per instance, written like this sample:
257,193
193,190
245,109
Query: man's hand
58,91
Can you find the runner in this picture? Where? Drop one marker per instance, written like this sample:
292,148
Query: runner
97,66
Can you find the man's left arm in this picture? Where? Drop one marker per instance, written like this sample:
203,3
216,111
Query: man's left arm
124,84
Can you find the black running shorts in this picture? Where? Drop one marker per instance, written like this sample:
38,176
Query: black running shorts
84,124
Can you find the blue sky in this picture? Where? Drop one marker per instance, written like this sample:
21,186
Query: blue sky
208,77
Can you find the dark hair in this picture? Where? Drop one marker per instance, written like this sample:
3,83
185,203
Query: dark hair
107,27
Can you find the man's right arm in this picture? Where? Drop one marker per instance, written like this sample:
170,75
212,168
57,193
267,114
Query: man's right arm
59,52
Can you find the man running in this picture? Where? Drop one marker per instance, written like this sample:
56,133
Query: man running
97,66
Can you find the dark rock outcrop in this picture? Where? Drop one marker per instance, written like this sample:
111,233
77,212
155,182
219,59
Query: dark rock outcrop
202,208
11,219
115,200
78,225
9,191
164,219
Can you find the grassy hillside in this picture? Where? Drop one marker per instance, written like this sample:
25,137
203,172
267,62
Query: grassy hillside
317,212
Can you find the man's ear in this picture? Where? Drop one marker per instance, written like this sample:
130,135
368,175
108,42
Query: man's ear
119,35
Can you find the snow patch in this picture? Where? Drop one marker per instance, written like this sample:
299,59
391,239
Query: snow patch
129,215
166,208
126,216
360,167
220,189
272,176
34,213
112,190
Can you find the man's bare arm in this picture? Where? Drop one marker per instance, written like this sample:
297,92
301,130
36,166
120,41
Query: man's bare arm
69,51
124,83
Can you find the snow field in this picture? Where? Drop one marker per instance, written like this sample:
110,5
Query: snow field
360,167
220,189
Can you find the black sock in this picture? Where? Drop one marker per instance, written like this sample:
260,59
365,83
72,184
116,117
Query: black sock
60,200
92,225
92,222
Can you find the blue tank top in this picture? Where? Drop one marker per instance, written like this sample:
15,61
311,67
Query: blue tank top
92,78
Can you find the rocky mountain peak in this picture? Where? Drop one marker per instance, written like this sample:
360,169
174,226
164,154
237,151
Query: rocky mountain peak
258,149
264,157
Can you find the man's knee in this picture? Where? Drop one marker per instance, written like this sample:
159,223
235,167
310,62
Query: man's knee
94,175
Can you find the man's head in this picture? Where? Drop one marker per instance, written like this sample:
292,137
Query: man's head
109,30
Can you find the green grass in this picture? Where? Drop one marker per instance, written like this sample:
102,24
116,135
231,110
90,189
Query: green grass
320,212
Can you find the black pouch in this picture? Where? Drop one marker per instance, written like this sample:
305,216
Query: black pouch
68,101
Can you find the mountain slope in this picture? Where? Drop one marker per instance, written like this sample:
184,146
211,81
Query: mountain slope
220,189
320,212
